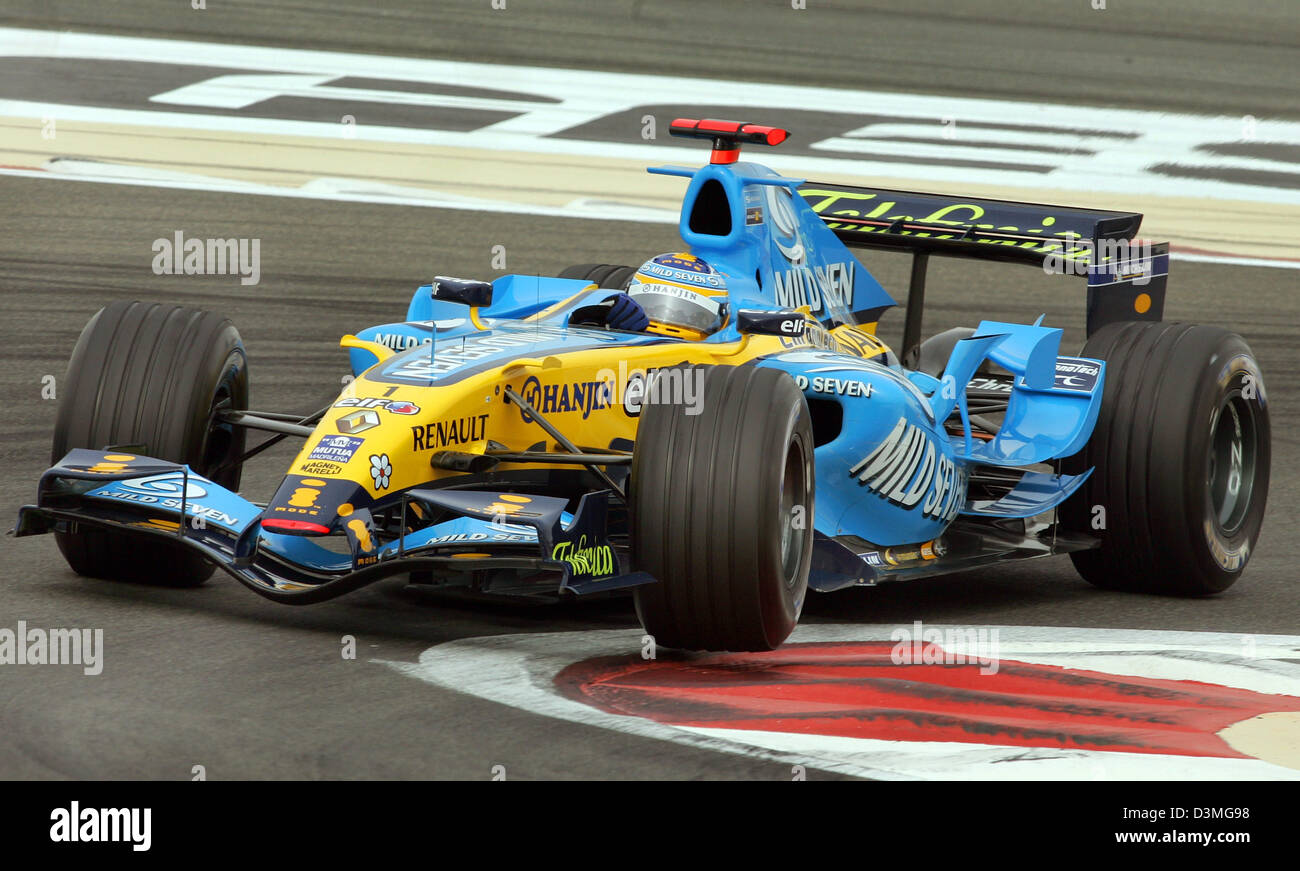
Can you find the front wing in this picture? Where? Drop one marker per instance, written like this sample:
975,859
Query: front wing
136,495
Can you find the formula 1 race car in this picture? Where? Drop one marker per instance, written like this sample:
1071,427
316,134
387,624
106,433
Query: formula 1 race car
718,429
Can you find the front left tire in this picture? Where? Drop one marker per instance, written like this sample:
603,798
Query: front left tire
151,375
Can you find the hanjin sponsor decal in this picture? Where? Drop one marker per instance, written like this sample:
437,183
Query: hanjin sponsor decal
1072,373
575,396
982,383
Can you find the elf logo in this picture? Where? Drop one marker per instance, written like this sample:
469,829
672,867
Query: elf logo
396,406
91,825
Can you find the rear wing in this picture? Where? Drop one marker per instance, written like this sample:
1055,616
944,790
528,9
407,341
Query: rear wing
1126,277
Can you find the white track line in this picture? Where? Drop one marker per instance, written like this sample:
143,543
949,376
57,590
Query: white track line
345,190
520,671
1098,149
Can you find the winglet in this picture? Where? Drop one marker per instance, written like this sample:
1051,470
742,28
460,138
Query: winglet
727,135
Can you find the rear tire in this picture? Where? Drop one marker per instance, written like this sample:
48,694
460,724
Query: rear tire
603,274
722,512
1181,455
151,375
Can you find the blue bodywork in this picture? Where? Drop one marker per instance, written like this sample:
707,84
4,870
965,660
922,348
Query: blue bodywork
778,255
895,472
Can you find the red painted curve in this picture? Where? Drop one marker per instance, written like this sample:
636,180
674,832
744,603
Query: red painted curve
855,690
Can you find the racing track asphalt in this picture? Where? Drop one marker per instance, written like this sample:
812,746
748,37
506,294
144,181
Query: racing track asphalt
221,678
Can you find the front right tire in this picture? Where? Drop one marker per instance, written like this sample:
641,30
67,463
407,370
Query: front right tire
722,512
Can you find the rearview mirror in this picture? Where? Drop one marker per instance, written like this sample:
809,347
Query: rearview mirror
462,290
771,323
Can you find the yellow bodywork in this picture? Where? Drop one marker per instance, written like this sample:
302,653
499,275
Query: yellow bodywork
465,414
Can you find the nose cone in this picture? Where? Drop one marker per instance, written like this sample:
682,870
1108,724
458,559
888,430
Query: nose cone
403,407
304,505
377,440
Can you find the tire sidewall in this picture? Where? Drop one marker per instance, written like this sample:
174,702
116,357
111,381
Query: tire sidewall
707,514
1230,372
149,374
229,365
783,603
1150,454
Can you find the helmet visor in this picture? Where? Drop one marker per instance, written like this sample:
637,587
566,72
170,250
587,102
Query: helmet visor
678,306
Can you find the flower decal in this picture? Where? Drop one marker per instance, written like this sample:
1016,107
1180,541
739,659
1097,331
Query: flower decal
380,470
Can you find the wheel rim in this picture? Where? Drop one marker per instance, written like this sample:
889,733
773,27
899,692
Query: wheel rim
1234,450
220,436
221,446
794,492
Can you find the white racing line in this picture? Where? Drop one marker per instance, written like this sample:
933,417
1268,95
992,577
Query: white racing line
520,671
1101,157
341,190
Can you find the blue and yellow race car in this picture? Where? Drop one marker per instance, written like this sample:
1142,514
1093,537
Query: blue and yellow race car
718,429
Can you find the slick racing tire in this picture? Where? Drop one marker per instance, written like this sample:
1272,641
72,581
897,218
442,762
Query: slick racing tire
721,512
602,274
1180,457
151,376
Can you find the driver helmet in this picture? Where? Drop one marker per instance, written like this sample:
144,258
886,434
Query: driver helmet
683,296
